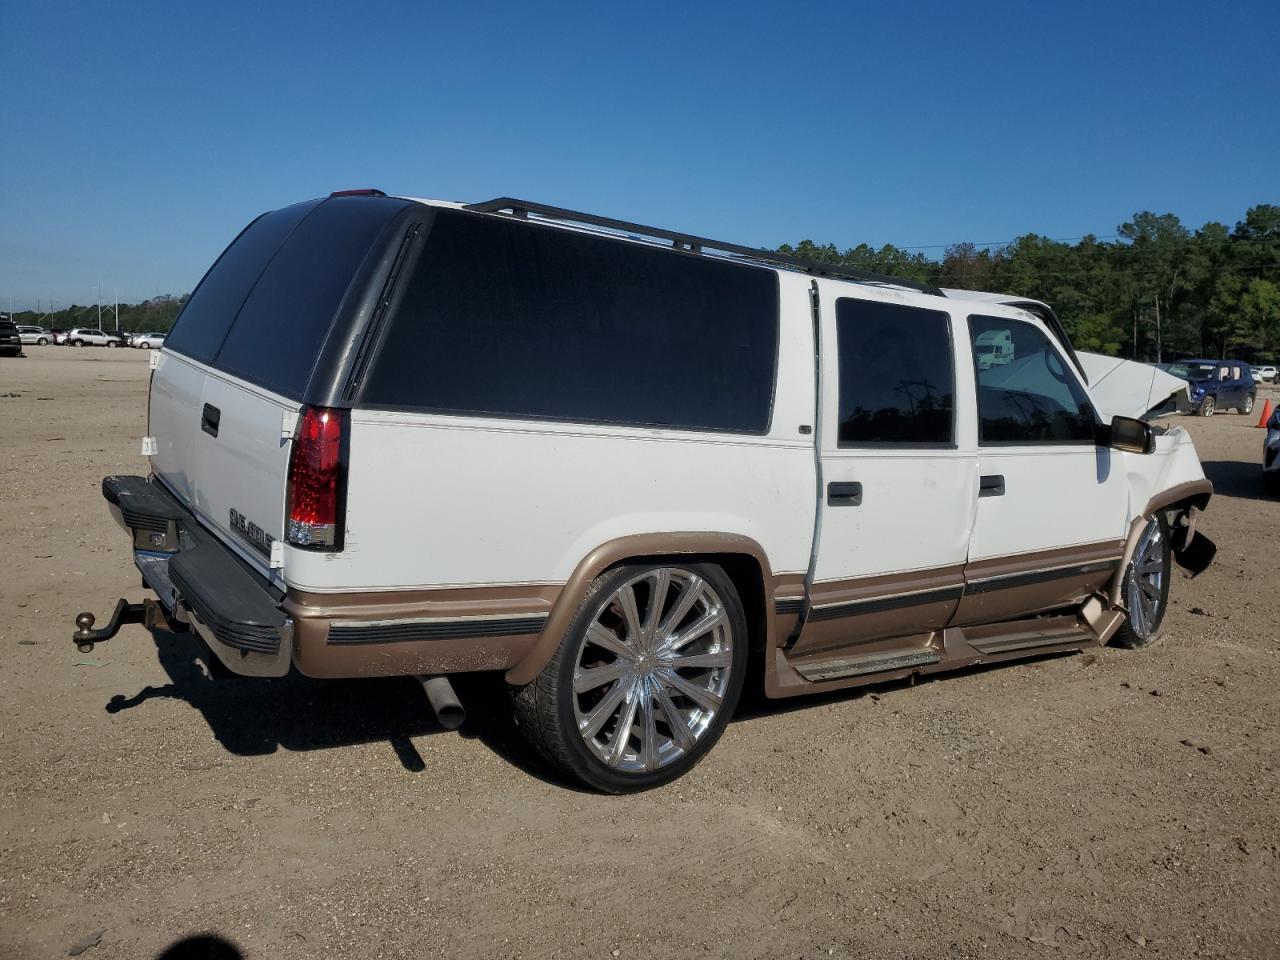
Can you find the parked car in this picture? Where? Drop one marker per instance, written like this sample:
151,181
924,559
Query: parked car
36,335
391,436
147,341
90,337
1271,455
1215,385
1264,374
10,339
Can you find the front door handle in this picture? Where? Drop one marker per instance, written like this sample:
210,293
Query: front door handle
991,486
209,419
844,494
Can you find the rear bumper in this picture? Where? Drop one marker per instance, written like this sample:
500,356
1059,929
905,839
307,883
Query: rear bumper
199,581
256,629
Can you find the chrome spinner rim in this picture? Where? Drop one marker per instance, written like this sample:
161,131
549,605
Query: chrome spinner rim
1146,582
651,671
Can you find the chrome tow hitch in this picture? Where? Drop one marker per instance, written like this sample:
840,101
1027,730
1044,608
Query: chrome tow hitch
149,613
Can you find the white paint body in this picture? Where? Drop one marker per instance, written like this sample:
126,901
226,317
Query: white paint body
436,500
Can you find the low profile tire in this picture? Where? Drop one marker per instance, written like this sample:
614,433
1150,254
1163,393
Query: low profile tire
1247,407
1146,587
1206,407
645,679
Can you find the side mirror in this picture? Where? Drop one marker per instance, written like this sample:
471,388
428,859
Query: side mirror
1128,434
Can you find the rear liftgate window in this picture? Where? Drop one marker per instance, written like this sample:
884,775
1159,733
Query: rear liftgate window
263,312
897,376
510,319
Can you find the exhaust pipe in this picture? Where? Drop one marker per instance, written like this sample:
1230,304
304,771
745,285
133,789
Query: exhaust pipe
449,710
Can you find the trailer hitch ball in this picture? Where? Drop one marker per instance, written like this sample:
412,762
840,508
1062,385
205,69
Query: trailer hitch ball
84,635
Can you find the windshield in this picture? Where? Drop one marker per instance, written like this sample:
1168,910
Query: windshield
1193,371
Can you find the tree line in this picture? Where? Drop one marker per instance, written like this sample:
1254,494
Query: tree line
1156,291
154,315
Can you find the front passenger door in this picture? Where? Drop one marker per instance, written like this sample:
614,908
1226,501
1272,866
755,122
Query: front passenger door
1052,504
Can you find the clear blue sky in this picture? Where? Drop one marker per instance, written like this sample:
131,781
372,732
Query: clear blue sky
138,138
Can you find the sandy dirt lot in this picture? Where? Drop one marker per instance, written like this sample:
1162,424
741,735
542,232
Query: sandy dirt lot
1107,804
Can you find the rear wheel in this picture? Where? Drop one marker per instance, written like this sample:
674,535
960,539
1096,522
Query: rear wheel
1206,407
1247,407
644,681
1146,587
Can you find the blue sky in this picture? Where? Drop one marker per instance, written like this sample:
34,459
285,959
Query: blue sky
138,138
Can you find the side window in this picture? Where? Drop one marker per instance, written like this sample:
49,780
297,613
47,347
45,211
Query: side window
897,374
1026,394
510,319
1235,373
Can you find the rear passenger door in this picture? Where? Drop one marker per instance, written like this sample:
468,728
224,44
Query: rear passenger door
898,486
1052,504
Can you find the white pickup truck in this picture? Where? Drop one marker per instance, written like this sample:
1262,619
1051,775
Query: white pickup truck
400,436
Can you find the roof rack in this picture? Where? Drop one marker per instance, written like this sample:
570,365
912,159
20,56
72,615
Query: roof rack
692,244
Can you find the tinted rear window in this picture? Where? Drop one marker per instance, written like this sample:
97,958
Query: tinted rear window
204,322
277,336
264,310
509,319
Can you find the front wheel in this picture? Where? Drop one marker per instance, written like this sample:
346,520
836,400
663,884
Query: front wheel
110,344
645,679
1146,587
1206,407
145,345
43,341
1246,408
77,343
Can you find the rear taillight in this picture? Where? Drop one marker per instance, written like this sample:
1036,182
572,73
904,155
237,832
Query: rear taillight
317,480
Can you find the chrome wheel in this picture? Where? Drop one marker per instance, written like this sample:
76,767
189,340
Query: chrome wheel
1146,592
652,670
1248,405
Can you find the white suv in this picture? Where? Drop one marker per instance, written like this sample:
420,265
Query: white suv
89,337
397,436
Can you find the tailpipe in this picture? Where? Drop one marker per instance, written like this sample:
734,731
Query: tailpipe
449,710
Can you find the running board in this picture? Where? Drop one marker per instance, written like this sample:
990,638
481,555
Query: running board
1029,640
885,662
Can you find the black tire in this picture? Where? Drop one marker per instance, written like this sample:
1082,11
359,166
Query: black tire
77,343
111,344
1247,407
1207,406
545,708
1145,635
1271,482
145,345
43,341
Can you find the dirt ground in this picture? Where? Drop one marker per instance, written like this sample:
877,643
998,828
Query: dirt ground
1107,804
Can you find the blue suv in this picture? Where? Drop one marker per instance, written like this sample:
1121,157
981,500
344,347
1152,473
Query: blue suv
1215,385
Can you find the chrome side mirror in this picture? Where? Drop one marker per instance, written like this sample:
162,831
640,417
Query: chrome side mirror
1128,434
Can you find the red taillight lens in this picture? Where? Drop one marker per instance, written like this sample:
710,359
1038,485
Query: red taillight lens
316,478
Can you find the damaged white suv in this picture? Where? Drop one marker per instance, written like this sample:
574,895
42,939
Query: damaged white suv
398,436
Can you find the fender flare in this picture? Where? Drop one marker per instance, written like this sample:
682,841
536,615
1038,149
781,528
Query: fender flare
627,548
1192,495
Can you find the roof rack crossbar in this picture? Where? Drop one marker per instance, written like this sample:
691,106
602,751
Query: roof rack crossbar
694,244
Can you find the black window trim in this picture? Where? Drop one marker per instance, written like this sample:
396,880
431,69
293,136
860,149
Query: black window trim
954,443
1067,367
407,269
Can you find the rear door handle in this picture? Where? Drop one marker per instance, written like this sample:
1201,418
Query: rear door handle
844,494
209,419
991,486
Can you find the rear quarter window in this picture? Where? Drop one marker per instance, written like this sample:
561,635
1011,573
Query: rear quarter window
502,318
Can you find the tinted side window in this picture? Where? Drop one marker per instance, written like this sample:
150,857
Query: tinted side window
511,319
1026,393
897,376
204,321
279,331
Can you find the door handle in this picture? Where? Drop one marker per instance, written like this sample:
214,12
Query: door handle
209,419
844,494
991,486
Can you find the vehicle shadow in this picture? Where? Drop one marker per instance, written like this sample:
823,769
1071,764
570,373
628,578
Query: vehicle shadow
252,716
1236,478
205,946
